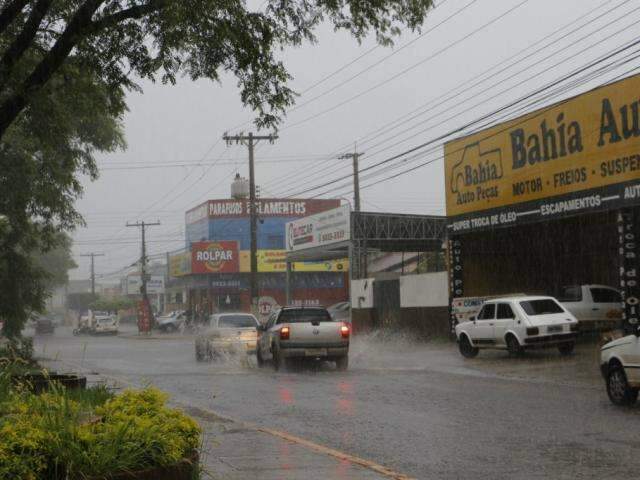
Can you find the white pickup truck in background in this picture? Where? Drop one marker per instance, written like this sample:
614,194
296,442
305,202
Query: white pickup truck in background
597,307
293,334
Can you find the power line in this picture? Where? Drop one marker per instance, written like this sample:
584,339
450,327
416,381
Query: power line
406,70
604,57
362,139
469,124
383,59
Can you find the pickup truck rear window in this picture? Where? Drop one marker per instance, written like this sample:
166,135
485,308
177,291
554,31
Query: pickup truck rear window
541,307
304,315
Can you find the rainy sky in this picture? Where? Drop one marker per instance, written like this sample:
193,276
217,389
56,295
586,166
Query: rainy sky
471,58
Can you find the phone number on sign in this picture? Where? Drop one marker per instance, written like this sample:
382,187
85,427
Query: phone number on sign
332,236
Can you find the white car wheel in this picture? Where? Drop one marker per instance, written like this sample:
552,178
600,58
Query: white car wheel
618,388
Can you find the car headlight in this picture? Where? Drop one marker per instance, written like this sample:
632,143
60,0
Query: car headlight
533,331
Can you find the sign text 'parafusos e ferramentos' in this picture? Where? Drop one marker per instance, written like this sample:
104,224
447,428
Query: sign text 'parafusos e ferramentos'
292,208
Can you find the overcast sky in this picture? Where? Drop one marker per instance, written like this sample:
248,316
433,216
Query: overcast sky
440,75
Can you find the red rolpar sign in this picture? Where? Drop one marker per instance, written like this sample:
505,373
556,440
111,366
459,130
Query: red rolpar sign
215,257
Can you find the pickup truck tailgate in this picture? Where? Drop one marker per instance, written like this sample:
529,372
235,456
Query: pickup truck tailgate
323,333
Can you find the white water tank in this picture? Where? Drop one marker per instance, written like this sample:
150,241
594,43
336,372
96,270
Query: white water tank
239,187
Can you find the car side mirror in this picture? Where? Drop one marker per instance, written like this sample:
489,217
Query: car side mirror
261,328
638,332
473,319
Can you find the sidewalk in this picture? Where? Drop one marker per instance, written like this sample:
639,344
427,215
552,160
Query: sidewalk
232,451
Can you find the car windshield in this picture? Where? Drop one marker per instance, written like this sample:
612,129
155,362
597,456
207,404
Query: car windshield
541,307
237,321
304,315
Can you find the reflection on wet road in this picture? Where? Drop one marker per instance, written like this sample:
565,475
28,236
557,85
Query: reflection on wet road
420,409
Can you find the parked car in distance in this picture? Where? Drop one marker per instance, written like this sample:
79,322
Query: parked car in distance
620,366
227,333
297,333
518,323
597,307
104,323
171,322
340,312
44,325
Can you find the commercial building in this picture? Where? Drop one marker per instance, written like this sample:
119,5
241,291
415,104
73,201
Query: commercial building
212,273
550,199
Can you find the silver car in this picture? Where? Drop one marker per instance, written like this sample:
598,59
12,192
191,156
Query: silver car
227,333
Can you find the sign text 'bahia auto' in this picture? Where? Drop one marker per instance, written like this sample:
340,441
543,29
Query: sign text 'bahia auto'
215,257
576,156
321,229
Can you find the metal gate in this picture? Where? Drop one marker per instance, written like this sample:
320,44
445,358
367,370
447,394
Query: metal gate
386,302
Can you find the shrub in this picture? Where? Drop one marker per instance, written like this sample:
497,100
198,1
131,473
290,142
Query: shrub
60,435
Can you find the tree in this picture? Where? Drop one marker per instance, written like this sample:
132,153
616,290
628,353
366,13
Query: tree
71,117
56,262
65,66
118,40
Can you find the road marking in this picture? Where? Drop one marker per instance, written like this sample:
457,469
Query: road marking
387,472
211,415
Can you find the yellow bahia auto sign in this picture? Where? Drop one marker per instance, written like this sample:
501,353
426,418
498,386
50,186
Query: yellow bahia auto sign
585,144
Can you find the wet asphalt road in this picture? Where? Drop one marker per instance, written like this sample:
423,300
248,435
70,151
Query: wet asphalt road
419,409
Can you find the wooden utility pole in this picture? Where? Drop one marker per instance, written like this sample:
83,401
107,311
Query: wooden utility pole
143,260
355,156
93,272
359,252
251,140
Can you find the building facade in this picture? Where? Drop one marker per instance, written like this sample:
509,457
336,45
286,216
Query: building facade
212,273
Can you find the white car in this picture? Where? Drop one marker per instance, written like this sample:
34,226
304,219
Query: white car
620,366
227,333
105,323
518,323
596,307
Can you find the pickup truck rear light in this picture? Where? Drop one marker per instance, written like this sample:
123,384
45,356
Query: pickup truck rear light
533,331
345,331
284,333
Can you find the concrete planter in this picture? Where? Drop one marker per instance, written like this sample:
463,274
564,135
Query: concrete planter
187,469
38,382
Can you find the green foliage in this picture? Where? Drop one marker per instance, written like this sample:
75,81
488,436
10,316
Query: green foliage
57,262
41,157
81,301
113,304
120,40
58,435
18,350
65,66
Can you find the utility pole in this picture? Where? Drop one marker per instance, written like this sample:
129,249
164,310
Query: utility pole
143,260
251,140
358,253
93,272
355,156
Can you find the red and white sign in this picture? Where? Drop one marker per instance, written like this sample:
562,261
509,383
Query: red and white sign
266,207
318,230
215,257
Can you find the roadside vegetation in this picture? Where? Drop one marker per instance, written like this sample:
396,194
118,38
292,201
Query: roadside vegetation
84,433
90,433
